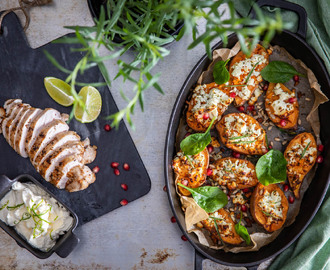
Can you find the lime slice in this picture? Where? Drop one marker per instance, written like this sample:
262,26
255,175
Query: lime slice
59,90
93,104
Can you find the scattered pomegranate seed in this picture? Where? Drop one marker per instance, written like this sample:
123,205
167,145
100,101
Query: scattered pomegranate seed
291,199
270,146
246,190
206,116
319,159
265,87
187,134
236,155
96,169
116,171
243,208
292,100
123,202
285,187
184,182
241,108
184,238
114,165
210,148
107,127
232,94
250,108
320,147
126,167
165,188
209,172
173,219
124,187
283,123
296,78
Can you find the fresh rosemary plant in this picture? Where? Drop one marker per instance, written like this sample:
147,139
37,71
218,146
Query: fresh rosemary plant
144,26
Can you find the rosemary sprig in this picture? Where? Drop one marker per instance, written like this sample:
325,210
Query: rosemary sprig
217,228
239,137
251,71
304,152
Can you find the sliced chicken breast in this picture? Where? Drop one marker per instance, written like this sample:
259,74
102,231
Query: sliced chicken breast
79,178
9,118
14,125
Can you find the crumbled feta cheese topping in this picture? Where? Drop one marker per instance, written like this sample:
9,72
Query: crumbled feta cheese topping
282,104
271,204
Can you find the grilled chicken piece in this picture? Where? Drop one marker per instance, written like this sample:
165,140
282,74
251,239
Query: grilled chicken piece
43,136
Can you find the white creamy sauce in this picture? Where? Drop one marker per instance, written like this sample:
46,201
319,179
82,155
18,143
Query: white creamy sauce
282,105
36,216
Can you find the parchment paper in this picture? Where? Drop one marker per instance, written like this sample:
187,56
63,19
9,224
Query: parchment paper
309,96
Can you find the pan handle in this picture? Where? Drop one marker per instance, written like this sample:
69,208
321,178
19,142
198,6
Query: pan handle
301,12
199,258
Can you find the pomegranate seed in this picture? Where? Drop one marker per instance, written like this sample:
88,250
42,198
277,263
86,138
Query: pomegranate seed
96,169
209,172
283,123
165,188
320,147
184,238
124,187
250,108
241,108
246,190
114,165
291,199
126,167
243,208
285,188
210,148
187,134
236,155
206,116
232,94
107,127
270,146
319,159
123,202
116,172
265,87
296,78
292,100
173,219
184,182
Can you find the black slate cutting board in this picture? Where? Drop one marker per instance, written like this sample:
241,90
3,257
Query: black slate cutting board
22,71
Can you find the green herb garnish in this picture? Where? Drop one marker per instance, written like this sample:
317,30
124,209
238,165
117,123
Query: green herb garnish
56,218
251,71
267,214
304,152
208,198
220,73
242,231
279,72
244,142
11,208
217,229
4,206
236,85
271,168
50,235
197,142
239,137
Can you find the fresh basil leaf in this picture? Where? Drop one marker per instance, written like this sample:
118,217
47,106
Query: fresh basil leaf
209,198
279,72
242,231
220,72
271,168
197,142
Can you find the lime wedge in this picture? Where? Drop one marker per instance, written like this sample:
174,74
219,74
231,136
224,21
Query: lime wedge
59,90
93,104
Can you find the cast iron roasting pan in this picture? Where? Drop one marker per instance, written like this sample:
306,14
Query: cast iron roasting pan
296,45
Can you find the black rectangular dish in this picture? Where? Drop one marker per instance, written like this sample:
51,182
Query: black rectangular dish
65,243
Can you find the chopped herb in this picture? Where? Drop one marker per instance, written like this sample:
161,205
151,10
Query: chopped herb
236,85
2,207
239,137
56,218
244,142
304,152
267,214
11,208
250,73
217,229
50,235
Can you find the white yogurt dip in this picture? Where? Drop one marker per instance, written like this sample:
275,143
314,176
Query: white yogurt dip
36,216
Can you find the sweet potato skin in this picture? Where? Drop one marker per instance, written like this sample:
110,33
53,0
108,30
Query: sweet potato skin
298,166
236,177
231,238
184,171
239,101
258,147
291,117
195,119
257,212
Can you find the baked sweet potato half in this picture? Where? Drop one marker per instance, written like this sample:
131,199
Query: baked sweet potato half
208,101
301,155
240,68
242,133
191,171
234,173
226,227
282,106
269,206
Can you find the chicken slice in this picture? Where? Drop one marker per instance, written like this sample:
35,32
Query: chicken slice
14,125
79,178
10,115
90,152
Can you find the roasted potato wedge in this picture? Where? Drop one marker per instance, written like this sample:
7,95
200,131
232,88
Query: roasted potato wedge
242,133
208,101
188,175
269,206
282,106
301,155
240,68
226,228
234,173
